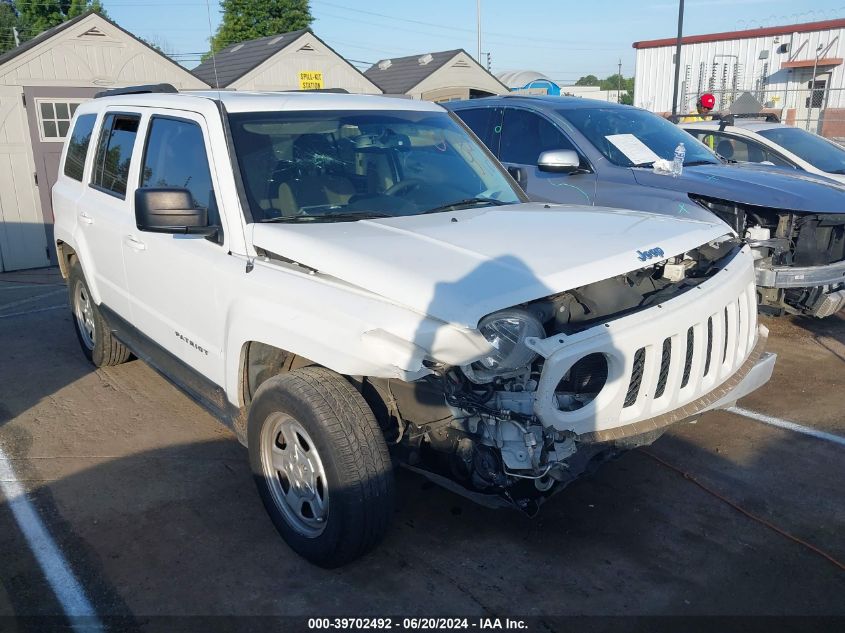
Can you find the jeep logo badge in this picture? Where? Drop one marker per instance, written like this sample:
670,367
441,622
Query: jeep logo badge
650,254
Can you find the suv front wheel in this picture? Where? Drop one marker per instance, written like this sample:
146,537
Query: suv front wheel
321,465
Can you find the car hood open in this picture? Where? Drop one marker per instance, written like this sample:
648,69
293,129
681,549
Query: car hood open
460,266
757,185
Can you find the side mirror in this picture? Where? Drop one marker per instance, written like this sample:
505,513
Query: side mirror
160,210
561,161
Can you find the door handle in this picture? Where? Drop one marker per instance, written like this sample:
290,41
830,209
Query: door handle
518,174
134,244
85,218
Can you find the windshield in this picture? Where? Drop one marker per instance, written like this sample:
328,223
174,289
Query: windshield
331,166
631,137
819,152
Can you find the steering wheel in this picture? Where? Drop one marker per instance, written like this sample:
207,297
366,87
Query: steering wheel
403,186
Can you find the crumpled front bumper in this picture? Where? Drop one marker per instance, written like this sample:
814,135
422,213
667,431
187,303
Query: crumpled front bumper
665,363
753,374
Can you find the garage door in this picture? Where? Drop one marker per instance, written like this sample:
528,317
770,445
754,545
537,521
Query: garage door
23,243
49,111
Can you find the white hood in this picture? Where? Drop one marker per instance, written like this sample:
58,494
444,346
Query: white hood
463,265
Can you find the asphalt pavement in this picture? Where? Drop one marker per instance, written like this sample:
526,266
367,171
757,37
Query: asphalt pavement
152,510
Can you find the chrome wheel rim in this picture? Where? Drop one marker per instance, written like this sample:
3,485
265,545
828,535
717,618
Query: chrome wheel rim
295,475
83,310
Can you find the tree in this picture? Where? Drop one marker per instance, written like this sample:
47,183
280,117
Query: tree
32,18
78,7
612,83
249,19
8,22
589,80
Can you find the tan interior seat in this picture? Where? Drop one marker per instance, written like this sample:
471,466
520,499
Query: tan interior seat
316,182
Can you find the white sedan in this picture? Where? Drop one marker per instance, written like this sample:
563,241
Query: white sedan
757,140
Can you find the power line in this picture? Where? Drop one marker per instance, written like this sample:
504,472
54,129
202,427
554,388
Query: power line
493,39
438,26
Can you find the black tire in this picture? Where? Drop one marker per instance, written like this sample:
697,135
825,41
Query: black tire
351,452
99,346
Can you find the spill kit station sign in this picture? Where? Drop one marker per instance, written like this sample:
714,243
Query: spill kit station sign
310,80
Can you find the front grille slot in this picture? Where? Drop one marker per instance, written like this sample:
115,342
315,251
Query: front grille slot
636,378
689,356
688,362
665,361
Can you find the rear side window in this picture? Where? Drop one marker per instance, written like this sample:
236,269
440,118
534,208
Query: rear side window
77,146
486,123
114,152
526,135
175,157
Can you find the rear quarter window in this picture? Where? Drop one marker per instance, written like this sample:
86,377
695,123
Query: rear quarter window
77,146
114,153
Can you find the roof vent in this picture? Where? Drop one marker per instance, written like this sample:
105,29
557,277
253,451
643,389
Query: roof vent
384,64
425,59
307,48
275,40
237,48
461,63
93,32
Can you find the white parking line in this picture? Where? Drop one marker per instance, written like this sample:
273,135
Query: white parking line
21,302
790,426
17,314
55,568
5,285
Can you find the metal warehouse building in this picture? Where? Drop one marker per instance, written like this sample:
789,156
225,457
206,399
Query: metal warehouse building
41,83
795,70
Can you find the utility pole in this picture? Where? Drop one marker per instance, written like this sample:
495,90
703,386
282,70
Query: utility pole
678,58
489,62
16,36
813,86
478,25
619,84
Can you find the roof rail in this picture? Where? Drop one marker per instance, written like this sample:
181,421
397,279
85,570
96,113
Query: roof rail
679,118
342,91
728,119
136,90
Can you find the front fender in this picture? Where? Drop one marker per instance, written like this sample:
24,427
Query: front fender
338,326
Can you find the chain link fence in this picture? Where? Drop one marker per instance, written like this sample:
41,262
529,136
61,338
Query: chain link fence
818,108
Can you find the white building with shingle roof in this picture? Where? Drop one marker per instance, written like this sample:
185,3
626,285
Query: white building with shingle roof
42,81
298,60
441,76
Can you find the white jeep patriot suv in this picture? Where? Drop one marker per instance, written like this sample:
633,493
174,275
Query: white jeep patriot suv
351,282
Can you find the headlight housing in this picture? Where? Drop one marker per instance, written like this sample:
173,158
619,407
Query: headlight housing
506,332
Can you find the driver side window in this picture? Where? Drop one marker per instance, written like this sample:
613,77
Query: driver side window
526,135
743,150
175,157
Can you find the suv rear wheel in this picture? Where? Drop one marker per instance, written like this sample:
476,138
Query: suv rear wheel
92,331
321,465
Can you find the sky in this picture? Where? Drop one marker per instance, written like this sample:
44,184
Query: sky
562,39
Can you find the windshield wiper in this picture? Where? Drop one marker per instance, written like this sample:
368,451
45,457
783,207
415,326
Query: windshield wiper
330,217
466,202
693,163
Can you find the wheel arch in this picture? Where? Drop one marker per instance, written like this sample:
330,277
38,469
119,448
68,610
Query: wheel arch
261,361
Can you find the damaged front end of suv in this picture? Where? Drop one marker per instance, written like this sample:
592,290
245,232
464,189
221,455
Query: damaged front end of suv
799,256
576,378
